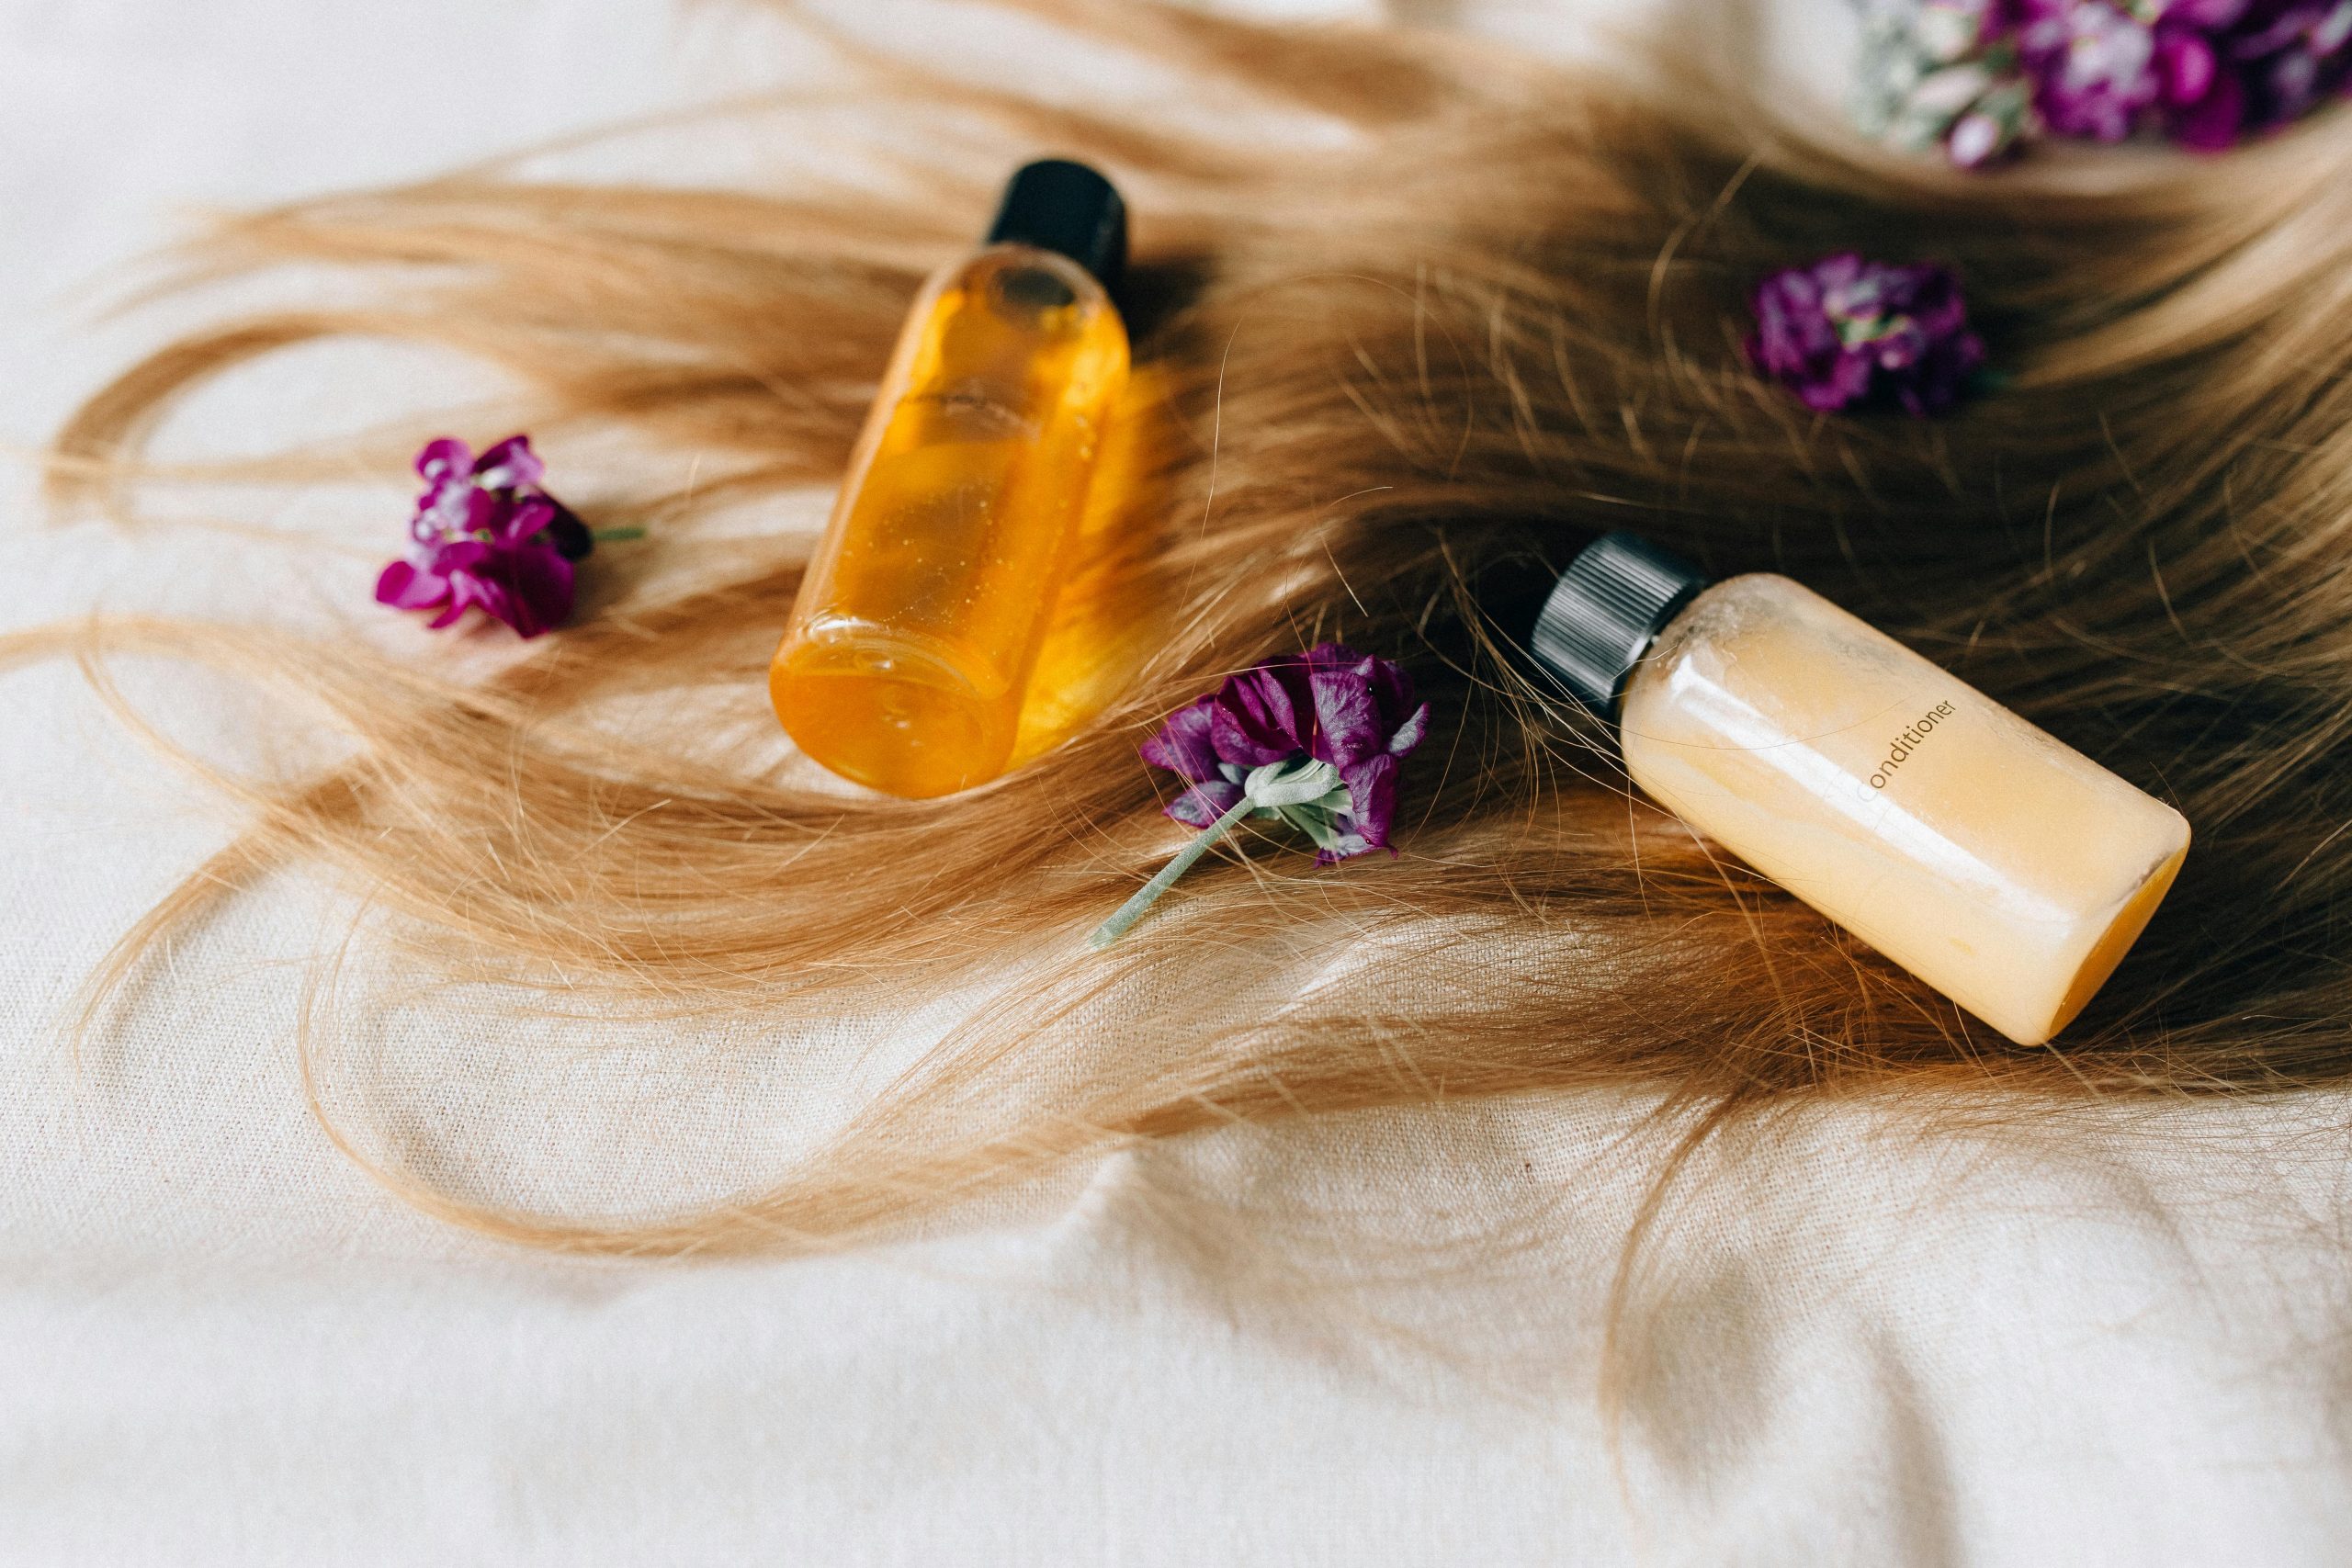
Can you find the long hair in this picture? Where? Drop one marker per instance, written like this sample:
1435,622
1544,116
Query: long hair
1384,384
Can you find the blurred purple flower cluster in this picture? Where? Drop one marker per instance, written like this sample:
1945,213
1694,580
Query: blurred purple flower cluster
1980,78
2204,73
1846,332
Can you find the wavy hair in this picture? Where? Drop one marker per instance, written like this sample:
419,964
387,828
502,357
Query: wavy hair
1385,383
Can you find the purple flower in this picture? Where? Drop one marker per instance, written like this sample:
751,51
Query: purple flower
486,537
2205,73
1329,705
1845,331
1312,740
2096,68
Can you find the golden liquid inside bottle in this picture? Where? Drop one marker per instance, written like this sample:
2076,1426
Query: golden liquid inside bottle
910,648
1111,615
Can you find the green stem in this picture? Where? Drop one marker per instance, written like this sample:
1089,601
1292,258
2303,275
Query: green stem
614,535
1132,911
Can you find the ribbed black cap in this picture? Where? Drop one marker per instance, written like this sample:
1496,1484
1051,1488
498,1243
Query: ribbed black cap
1604,613
1068,207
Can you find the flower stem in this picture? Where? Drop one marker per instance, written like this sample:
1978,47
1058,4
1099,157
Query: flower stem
614,535
1132,911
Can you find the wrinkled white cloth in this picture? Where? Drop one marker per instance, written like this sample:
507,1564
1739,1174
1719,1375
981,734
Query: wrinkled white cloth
2121,1340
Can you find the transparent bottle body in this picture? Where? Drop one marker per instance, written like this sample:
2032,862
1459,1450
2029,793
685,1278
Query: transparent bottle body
910,648
2001,866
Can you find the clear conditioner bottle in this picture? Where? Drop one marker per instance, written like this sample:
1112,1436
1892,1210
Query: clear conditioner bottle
2001,866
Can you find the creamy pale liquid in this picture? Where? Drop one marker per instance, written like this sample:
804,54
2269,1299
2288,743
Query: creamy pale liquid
2004,868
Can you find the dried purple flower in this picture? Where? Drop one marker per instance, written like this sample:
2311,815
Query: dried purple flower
1312,740
1846,332
487,537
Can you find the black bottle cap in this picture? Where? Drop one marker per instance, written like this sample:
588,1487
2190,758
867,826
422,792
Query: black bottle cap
1604,613
1059,206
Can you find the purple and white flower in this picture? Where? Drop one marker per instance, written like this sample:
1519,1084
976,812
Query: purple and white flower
1845,333
1312,740
486,537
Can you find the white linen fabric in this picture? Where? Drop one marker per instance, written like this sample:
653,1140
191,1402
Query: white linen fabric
2123,1339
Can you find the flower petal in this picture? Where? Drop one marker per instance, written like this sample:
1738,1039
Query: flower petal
1345,845
1256,718
510,465
446,459
514,522
465,591
486,513
2187,67
2093,65
461,555
1348,725
443,509
1183,746
1411,733
537,585
1372,808
1204,803
404,586
2215,122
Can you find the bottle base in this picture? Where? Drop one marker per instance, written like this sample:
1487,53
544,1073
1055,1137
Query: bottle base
890,718
2112,944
